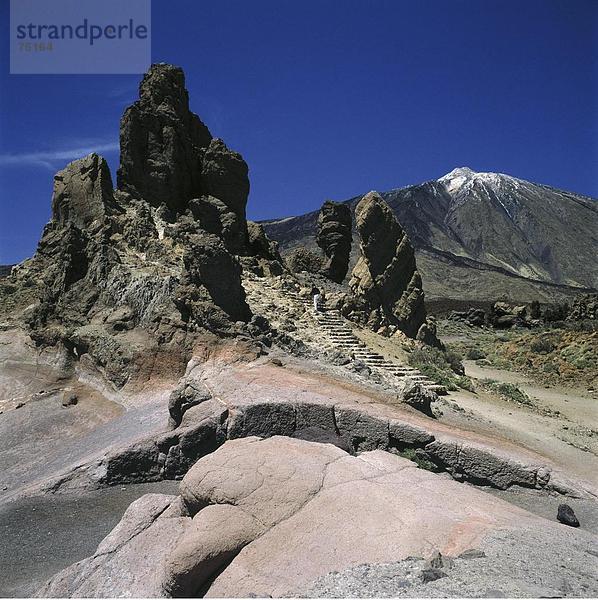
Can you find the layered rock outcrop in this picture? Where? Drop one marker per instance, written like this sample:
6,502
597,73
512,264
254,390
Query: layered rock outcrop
385,285
334,238
268,517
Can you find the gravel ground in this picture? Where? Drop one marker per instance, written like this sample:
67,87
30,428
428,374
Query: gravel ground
516,564
44,534
546,505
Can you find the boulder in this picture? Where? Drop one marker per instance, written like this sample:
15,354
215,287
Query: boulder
417,395
334,238
69,398
303,260
270,517
566,516
258,243
187,393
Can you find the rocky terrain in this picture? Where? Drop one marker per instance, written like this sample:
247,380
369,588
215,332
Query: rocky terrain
491,235
177,420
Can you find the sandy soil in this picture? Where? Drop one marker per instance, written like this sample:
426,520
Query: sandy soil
565,433
44,534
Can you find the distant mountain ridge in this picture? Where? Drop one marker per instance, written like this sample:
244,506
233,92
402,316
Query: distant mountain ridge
485,236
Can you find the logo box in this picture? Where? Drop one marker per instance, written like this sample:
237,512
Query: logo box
80,36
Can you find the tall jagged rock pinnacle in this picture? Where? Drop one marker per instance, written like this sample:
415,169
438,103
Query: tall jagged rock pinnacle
169,157
161,141
334,238
385,283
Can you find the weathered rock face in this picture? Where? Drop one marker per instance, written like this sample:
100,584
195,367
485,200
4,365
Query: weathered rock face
305,260
252,516
264,258
82,192
385,283
161,141
224,175
121,275
210,268
168,156
334,237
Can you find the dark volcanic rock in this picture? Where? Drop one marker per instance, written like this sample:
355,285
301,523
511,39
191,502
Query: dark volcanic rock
210,268
161,141
334,237
259,244
168,156
385,284
224,174
566,516
303,260
82,192
69,398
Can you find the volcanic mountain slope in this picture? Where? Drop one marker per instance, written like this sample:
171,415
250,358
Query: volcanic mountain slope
485,236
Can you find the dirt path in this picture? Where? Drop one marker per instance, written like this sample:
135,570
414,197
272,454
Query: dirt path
575,405
568,438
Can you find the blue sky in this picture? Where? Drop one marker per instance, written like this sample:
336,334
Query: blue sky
331,98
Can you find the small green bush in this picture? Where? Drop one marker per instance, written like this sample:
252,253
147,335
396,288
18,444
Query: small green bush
507,391
543,345
475,354
465,383
421,461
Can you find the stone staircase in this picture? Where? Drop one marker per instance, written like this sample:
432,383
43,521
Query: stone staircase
340,336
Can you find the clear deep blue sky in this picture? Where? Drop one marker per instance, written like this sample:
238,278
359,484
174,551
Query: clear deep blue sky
331,98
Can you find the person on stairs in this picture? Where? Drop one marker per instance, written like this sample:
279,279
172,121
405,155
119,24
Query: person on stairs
315,292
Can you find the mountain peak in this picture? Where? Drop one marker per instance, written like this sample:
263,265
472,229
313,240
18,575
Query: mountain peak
462,178
459,172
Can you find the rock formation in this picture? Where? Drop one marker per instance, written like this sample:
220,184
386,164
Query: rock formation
385,284
334,238
268,517
124,273
168,157
304,260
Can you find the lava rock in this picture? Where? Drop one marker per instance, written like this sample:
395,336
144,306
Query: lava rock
428,575
82,192
303,260
69,398
417,396
385,284
183,397
161,141
566,516
334,238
